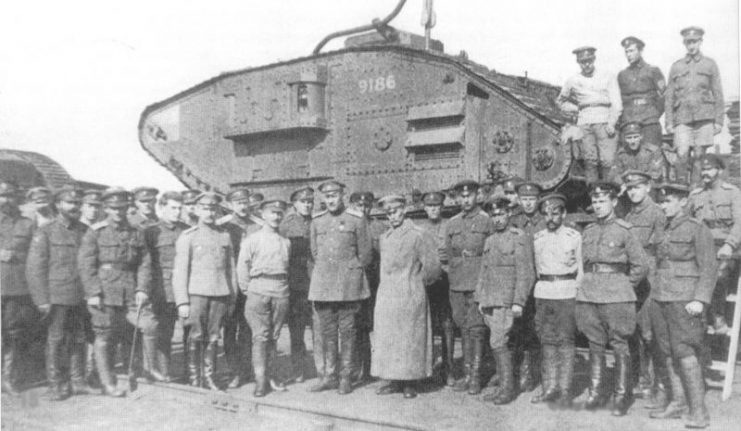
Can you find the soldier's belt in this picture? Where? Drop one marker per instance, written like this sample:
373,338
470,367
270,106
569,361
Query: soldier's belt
279,277
640,102
115,265
595,105
557,277
465,253
717,224
606,268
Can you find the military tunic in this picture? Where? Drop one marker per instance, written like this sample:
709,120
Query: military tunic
614,263
142,222
18,311
203,276
642,89
402,345
465,236
686,272
530,223
647,159
438,292
505,278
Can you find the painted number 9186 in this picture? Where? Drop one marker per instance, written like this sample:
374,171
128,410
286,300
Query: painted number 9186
381,83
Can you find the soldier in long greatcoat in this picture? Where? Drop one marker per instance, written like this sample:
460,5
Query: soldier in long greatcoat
402,332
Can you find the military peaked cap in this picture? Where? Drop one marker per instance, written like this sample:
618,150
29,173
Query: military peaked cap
497,205
709,161
510,184
92,196
68,193
433,198
189,196
632,129
552,200
692,33
365,198
302,193
634,177
274,204
584,53
39,195
632,40
529,189
673,189
331,186
145,193
238,195
392,201
598,188
466,186
208,199
116,197
256,199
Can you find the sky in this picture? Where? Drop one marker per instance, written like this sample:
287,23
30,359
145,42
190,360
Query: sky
75,75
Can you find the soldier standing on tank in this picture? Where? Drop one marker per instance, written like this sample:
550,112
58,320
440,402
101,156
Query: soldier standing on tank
438,293
237,333
362,203
342,249
51,271
560,270
642,89
203,284
262,270
296,227
18,310
42,209
108,262
157,271
188,215
647,225
464,241
682,292
503,287
145,199
694,104
595,95
614,263
718,204
524,336
638,154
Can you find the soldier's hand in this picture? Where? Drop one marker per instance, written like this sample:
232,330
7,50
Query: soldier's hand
694,308
516,310
6,255
669,129
94,301
184,311
725,252
481,309
610,129
717,128
44,308
141,298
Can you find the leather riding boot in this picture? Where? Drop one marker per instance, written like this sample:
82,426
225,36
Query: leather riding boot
646,373
276,382
103,363
363,356
448,345
186,372
462,385
91,371
567,356
149,350
77,369
596,397
10,352
527,382
678,404
659,397
209,366
507,391
329,379
195,358
550,365
622,389
347,352
231,353
478,340
259,365
695,385
53,371
409,389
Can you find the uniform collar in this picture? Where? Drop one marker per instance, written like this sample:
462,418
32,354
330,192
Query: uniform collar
677,220
639,208
607,220
696,58
405,226
473,213
168,224
67,223
638,64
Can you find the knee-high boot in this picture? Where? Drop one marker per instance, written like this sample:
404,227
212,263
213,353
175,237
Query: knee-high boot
596,397
104,366
550,367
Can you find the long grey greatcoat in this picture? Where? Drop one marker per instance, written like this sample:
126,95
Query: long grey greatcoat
402,347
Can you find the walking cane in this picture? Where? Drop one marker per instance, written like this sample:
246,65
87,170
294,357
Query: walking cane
133,384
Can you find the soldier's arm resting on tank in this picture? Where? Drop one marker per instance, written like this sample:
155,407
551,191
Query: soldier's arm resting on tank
566,100
637,259
524,272
37,270
181,271
365,243
87,265
243,264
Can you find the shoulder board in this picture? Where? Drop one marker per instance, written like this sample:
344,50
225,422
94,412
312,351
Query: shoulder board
650,147
516,231
591,226
457,216
696,191
99,225
190,230
728,186
570,231
224,220
539,233
354,212
623,223
319,214
257,220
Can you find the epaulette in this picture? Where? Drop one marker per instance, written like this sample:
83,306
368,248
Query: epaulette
570,230
623,223
539,233
319,214
190,230
99,225
516,231
257,220
354,212
728,186
590,226
457,216
224,220
696,191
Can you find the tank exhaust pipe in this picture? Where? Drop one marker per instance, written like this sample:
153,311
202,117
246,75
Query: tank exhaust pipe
375,25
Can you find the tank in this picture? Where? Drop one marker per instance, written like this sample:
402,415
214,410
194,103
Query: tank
389,112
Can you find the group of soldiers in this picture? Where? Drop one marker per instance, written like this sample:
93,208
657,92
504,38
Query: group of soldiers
509,272
691,101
